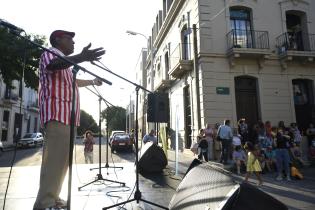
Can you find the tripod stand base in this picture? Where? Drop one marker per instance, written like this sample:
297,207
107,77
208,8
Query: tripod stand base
107,166
100,178
137,197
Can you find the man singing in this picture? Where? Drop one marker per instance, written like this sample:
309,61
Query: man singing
55,103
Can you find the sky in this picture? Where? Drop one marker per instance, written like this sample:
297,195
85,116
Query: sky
100,22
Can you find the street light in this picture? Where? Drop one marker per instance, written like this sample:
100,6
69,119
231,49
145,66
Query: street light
152,51
136,33
129,32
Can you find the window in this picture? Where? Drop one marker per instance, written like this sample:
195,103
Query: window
185,44
240,23
167,65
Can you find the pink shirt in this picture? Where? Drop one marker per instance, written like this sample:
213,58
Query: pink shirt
55,92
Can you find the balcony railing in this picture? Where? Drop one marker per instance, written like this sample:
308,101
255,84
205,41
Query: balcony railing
295,42
247,39
181,60
10,97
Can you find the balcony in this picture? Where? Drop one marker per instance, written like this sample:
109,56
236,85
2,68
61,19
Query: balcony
248,44
9,97
33,106
163,85
299,46
180,60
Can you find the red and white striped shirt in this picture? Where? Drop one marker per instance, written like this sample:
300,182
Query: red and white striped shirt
55,92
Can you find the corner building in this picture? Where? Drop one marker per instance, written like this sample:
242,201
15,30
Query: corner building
232,59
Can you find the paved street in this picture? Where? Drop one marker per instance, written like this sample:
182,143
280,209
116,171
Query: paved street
32,156
297,194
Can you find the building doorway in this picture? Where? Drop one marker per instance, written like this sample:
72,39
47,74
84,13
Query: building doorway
17,133
246,98
187,113
303,97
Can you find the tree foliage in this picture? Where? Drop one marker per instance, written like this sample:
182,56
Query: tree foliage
115,117
13,51
86,123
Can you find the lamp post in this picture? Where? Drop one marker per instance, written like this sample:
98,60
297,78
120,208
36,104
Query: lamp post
151,67
151,53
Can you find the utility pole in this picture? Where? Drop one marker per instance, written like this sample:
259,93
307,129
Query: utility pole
196,74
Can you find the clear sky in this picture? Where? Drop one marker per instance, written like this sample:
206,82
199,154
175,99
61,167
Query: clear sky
101,22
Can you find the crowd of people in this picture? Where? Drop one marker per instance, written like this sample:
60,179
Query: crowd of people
261,148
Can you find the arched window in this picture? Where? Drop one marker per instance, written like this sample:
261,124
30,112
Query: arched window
240,23
185,43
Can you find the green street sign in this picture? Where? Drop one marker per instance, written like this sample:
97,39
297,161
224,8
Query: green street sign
223,90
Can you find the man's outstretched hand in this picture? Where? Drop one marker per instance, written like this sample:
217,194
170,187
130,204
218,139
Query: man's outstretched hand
93,54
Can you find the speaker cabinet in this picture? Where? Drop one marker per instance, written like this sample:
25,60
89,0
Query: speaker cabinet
207,186
158,107
152,158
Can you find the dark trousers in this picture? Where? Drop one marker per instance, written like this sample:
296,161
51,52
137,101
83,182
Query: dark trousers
226,150
203,153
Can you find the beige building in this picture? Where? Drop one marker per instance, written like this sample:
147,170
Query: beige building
17,116
233,59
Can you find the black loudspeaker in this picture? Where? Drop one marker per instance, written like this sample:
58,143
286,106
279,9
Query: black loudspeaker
158,107
152,159
207,186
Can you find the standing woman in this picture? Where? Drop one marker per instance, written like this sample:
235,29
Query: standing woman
217,144
88,147
209,133
202,145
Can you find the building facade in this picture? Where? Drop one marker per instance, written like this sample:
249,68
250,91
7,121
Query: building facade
233,59
17,116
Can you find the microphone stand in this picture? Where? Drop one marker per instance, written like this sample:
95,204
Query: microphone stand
107,134
75,70
137,195
99,175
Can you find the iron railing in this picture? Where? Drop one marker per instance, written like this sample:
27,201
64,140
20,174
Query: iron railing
247,39
9,95
295,41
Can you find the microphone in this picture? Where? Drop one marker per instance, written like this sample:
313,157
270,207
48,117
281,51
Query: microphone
10,26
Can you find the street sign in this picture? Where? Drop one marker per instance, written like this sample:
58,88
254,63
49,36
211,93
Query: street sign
223,90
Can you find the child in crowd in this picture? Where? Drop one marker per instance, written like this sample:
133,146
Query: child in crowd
312,151
203,145
253,165
270,158
239,158
295,134
296,155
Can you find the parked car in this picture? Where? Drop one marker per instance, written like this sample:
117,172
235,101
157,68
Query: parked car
121,141
113,133
31,140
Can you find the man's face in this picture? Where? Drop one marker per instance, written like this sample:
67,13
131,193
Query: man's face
66,44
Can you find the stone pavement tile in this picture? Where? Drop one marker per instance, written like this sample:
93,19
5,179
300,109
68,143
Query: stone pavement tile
24,185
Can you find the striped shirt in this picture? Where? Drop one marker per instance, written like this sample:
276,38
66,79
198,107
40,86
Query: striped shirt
55,92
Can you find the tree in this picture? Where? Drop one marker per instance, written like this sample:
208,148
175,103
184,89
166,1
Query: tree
86,123
115,117
13,50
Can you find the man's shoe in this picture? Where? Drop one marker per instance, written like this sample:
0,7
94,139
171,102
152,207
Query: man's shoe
279,178
288,178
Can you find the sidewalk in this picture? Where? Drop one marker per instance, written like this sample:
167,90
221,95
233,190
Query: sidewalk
156,188
296,194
